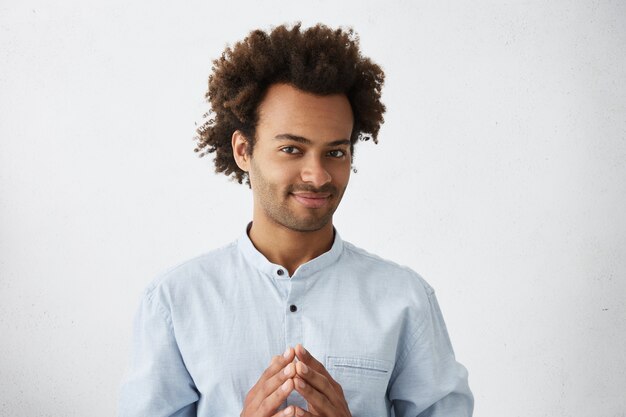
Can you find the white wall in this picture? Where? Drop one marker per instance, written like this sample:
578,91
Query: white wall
500,177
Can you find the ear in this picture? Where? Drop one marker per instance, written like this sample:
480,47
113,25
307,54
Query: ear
240,150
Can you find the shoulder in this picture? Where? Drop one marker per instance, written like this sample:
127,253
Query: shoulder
392,273
190,273
392,286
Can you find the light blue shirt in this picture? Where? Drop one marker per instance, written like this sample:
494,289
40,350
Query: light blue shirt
207,328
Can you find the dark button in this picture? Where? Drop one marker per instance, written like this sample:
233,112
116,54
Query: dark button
280,272
293,308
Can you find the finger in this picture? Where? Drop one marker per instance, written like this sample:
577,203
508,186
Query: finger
309,359
274,383
304,356
269,405
292,411
319,381
277,363
315,398
272,377
300,412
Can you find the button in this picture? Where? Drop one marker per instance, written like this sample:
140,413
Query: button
280,272
293,308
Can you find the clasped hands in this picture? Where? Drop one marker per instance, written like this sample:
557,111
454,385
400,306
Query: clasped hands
324,396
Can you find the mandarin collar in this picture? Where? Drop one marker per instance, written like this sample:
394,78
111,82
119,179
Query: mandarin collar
259,261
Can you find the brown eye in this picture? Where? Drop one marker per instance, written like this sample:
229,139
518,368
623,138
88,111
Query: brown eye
337,153
290,150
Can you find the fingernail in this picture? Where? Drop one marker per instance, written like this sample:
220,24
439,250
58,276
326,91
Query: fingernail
287,351
301,383
304,368
285,385
288,411
288,369
299,411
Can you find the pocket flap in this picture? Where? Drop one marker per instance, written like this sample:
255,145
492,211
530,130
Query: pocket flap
359,366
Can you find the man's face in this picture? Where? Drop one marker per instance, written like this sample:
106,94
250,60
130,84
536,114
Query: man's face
301,162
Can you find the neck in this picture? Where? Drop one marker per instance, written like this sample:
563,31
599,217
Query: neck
287,247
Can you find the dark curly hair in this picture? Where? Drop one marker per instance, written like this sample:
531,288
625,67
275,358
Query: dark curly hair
318,60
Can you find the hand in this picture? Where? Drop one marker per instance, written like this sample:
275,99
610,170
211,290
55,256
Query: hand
272,388
323,394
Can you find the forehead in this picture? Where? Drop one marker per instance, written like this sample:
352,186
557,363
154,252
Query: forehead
286,109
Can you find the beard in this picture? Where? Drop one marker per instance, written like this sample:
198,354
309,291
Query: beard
281,208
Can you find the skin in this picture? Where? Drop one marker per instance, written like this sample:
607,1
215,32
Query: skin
299,170
307,376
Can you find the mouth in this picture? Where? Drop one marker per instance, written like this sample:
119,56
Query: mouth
312,200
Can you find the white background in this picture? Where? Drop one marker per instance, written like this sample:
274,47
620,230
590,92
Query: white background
500,177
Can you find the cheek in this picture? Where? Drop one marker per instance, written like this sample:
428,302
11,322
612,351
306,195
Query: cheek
275,177
282,174
341,175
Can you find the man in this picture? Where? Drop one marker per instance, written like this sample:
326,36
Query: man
290,320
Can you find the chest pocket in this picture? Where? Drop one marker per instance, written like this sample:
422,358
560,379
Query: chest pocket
364,382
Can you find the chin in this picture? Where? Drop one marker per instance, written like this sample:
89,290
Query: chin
307,226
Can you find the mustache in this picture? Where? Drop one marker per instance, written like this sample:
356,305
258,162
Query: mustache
327,188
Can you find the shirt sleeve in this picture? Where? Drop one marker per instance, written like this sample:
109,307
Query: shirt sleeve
427,380
157,383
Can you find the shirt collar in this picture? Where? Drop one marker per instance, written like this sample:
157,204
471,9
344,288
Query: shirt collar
259,261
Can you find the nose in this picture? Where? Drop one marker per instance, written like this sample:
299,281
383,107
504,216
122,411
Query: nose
314,173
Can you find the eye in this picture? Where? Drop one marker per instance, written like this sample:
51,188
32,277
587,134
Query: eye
337,153
290,150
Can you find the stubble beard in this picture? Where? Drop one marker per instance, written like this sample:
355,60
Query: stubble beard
276,203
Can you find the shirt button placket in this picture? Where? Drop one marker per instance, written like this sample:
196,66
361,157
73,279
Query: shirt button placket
293,314
293,326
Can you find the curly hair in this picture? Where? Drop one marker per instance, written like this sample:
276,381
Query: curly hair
318,60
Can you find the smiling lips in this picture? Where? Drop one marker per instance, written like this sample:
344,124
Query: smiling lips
312,200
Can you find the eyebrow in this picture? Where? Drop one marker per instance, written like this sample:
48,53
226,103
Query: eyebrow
301,139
